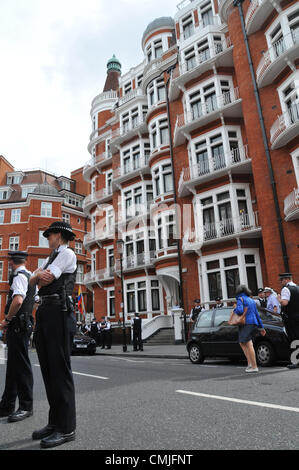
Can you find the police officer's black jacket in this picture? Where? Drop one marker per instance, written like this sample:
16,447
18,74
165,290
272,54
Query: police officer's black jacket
28,302
292,309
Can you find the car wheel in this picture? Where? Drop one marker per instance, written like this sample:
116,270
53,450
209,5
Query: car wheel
265,355
195,354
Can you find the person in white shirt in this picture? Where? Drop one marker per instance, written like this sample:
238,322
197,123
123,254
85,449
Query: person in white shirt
55,328
18,327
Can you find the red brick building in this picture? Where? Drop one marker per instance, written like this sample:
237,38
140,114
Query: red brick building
29,202
225,182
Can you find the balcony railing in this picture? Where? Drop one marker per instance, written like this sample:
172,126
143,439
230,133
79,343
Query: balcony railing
95,163
244,225
136,261
285,127
98,236
228,227
154,67
208,21
132,167
128,129
224,8
98,276
212,165
291,205
206,111
273,60
213,51
130,96
97,197
107,95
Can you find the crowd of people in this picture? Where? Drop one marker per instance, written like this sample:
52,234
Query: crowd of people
285,305
100,331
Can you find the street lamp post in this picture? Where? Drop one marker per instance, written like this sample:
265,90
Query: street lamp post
181,287
120,250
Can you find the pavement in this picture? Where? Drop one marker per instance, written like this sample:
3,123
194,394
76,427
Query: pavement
167,351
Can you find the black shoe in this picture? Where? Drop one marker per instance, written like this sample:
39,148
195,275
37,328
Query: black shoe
293,366
108,347
19,415
56,439
42,433
4,412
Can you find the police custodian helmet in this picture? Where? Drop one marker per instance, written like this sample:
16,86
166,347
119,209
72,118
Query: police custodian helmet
60,227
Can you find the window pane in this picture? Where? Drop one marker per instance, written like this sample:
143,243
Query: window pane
155,299
232,282
214,281
131,301
222,316
204,320
231,261
142,300
251,279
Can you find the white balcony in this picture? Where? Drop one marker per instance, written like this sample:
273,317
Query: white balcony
225,8
99,197
219,54
97,237
205,25
135,127
133,262
133,215
243,226
291,206
99,276
282,53
96,164
136,93
236,161
285,128
107,96
228,104
133,169
258,11
154,68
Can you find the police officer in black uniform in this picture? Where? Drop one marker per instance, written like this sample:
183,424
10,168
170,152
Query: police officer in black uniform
137,333
196,310
219,303
18,327
289,300
54,331
261,301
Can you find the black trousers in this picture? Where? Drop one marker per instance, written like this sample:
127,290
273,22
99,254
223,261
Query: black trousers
105,338
53,337
19,378
292,328
137,340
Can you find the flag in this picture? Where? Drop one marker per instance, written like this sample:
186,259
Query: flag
80,302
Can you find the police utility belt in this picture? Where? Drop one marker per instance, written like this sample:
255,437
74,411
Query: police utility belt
65,301
50,299
21,322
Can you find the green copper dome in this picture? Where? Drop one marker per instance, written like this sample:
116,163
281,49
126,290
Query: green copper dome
114,64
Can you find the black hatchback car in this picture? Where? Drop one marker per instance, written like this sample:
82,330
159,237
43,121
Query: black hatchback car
212,336
83,344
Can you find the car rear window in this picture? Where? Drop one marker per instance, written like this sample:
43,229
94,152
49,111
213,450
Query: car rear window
204,319
222,316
